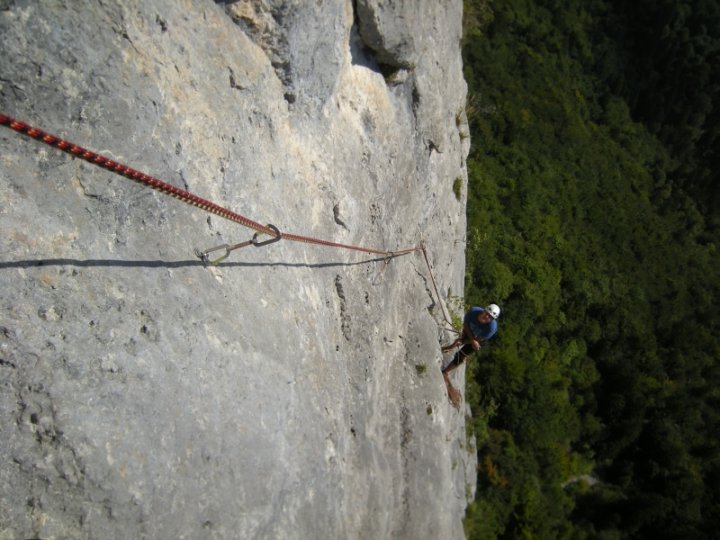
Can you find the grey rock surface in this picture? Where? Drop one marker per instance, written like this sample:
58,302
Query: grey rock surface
293,391
397,32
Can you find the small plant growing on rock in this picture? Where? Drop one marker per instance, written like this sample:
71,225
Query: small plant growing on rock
457,188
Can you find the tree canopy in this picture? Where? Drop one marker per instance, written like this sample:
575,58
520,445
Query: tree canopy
593,221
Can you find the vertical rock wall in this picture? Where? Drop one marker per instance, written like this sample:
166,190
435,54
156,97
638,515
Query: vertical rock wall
293,391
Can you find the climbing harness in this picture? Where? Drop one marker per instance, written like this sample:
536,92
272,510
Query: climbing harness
181,194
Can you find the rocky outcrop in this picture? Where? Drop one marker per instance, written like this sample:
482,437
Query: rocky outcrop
391,30
293,391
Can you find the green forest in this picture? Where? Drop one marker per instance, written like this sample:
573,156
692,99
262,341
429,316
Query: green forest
593,219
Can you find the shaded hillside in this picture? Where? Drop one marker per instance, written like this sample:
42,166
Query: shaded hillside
606,264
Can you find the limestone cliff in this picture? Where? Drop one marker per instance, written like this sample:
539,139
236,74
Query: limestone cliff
293,391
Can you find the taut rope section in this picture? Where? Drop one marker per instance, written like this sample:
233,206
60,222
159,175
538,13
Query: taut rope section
180,194
193,200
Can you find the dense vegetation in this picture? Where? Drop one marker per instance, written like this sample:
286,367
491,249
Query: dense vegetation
593,221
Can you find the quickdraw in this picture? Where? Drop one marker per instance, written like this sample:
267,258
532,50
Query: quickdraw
205,255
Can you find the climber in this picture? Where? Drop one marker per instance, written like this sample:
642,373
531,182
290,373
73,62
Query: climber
479,326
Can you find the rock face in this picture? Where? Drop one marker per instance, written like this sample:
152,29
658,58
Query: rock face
293,391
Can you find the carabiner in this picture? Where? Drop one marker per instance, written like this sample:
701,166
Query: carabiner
276,238
204,255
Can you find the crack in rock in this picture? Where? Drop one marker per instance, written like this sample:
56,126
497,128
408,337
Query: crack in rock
338,218
344,316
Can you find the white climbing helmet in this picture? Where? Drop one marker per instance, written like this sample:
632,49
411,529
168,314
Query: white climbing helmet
493,310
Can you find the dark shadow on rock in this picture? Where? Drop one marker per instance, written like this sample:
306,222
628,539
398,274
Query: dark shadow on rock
361,54
119,263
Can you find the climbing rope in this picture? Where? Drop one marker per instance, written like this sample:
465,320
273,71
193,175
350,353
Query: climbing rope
180,194
451,327
208,206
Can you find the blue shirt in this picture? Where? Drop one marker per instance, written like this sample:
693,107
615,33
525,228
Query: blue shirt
482,331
